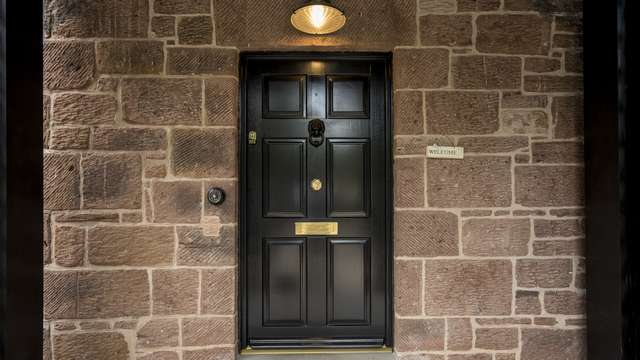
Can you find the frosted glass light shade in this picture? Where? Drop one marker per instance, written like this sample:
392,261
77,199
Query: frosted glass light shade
318,18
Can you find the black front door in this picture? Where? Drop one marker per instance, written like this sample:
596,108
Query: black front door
316,202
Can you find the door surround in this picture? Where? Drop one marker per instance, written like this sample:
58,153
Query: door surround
243,139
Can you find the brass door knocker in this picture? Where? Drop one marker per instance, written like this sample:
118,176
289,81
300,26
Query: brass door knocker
316,132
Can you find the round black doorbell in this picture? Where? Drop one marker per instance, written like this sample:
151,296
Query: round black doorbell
215,196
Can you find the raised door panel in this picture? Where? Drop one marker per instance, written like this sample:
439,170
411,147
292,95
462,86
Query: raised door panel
349,282
284,282
348,174
284,178
347,97
284,96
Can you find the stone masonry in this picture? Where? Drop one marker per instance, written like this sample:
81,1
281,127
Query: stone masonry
141,117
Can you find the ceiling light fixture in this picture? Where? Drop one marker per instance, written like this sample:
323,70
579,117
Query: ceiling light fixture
318,17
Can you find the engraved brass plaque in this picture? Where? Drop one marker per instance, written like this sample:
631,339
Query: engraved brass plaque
316,228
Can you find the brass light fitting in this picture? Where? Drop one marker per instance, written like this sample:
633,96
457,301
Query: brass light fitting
318,17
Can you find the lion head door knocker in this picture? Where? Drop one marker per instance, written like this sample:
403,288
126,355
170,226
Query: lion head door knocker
316,132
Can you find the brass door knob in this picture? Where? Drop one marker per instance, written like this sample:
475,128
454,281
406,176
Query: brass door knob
316,184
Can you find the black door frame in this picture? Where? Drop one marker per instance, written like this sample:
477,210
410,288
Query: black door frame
242,284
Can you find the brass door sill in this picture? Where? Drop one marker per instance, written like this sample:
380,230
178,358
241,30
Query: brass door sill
313,351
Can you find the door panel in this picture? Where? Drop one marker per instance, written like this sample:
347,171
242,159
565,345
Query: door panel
316,290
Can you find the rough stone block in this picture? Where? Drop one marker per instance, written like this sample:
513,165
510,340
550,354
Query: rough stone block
528,302
409,182
204,153
532,122
553,83
159,333
468,287
516,100
459,334
486,72
163,26
436,6
69,246
68,64
69,138
162,101
541,65
469,357
130,57
177,202
549,185
208,331
461,113
175,292
558,228
220,353
221,101
545,344
478,5
513,34
46,120
426,233
84,109
573,62
493,144
410,145
61,173
569,23
202,61
95,346
476,181
197,249
559,248
46,237
227,211
88,217
120,293
564,303
131,245
112,181
566,152
195,30
568,116
408,113
218,293
408,280
420,68
567,41
60,295
445,30
496,237
497,338
182,6
544,273
129,139
419,335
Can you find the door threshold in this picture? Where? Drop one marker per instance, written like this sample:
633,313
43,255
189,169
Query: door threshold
315,351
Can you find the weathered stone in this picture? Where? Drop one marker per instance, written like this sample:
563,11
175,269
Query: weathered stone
204,153
46,237
545,321
532,122
569,23
580,281
568,116
218,293
559,247
573,62
564,302
195,30
558,228
96,18
155,170
544,6
528,302
496,237
505,356
544,273
515,100
107,84
175,292
420,68
159,333
503,321
549,185
130,57
129,139
208,331
84,109
513,34
227,211
459,334
493,144
468,287
177,201
46,120
46,343
408,277
475,213
469,357
68,138
486,72
69,246
160,355
478,5
420,357
126,324
408,113
409,182
567,212
104,294
182,6
371,25
221,101
68,64
64,326
522,158
545,344
87,217
436,6
419,335
95,346
163,26
219,353
426,233
60,294
61,174
576,322
202,61
445,30
94,325
541,65
132,217
197,249
557,152
131,245
476,181
461,113
497,338
553,83
112,181
162,101
567,41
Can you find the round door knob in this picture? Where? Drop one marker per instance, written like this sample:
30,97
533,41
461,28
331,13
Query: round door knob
215,196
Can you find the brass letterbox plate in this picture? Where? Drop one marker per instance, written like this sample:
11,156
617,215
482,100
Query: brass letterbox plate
316,228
